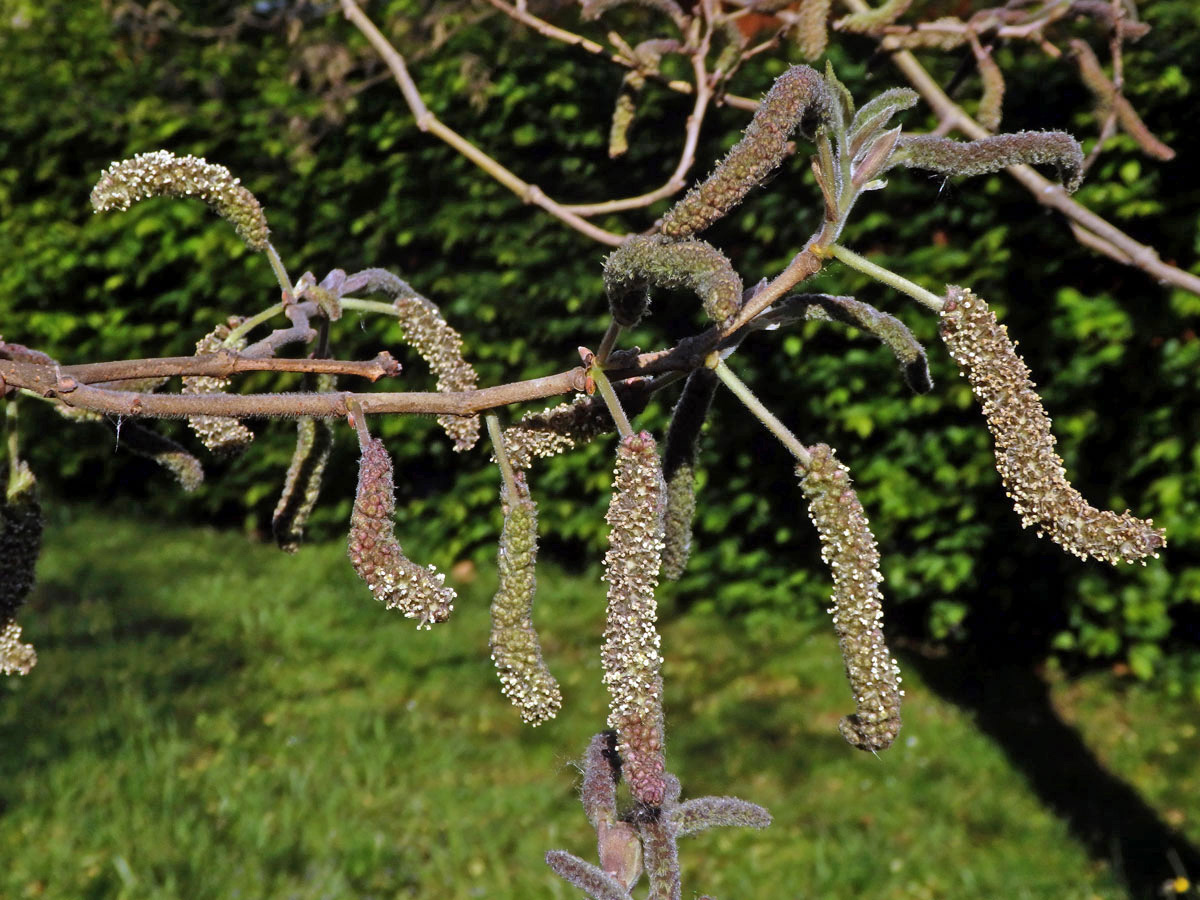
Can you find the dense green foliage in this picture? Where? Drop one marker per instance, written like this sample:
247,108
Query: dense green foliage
348,181
201,730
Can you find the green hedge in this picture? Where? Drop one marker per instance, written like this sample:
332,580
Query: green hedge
348,181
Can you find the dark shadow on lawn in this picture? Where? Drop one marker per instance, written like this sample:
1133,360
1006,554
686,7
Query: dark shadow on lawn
1011,705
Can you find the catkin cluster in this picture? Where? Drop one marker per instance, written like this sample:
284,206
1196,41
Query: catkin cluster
1032,471
631,642
848,548
524,677
396,581
163,174
220,434
797,93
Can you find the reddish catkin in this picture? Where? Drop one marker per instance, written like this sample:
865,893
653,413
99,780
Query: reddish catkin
631,657
396,581
848,548
1032,471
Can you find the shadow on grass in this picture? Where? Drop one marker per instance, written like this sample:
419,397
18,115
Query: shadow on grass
1012,706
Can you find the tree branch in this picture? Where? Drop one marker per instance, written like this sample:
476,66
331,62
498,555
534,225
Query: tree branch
1044,191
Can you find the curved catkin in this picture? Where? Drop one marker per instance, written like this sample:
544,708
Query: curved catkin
516,651
220,434
895,335
601,771
302,484
395,581
680,451
797,93
630,656
703,813
658,261
163,174
1032,471
848,548
20,544
438,344
991,154
164,451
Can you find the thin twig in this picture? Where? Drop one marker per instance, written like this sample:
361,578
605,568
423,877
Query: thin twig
427,121
223,365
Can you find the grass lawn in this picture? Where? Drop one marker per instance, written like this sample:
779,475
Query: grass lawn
212,719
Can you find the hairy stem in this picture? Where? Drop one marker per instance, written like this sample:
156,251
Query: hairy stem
887,276
506,470
764,415
611,401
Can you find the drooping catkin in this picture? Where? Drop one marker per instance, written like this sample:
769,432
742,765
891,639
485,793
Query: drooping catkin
895,335
797,94
991,103
396,582
991,154
680,451
163,174
660,848
436,342
630,656
657,261
151,444
1031,470
848,548
524,676
811,31
302,484
220,434
20,544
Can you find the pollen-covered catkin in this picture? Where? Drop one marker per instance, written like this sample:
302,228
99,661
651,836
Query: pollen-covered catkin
1032,471
664,263
848,548
680,452
524,677
396,581
548,432
163,174
20,544
797,93
220,434
436,342
630,656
